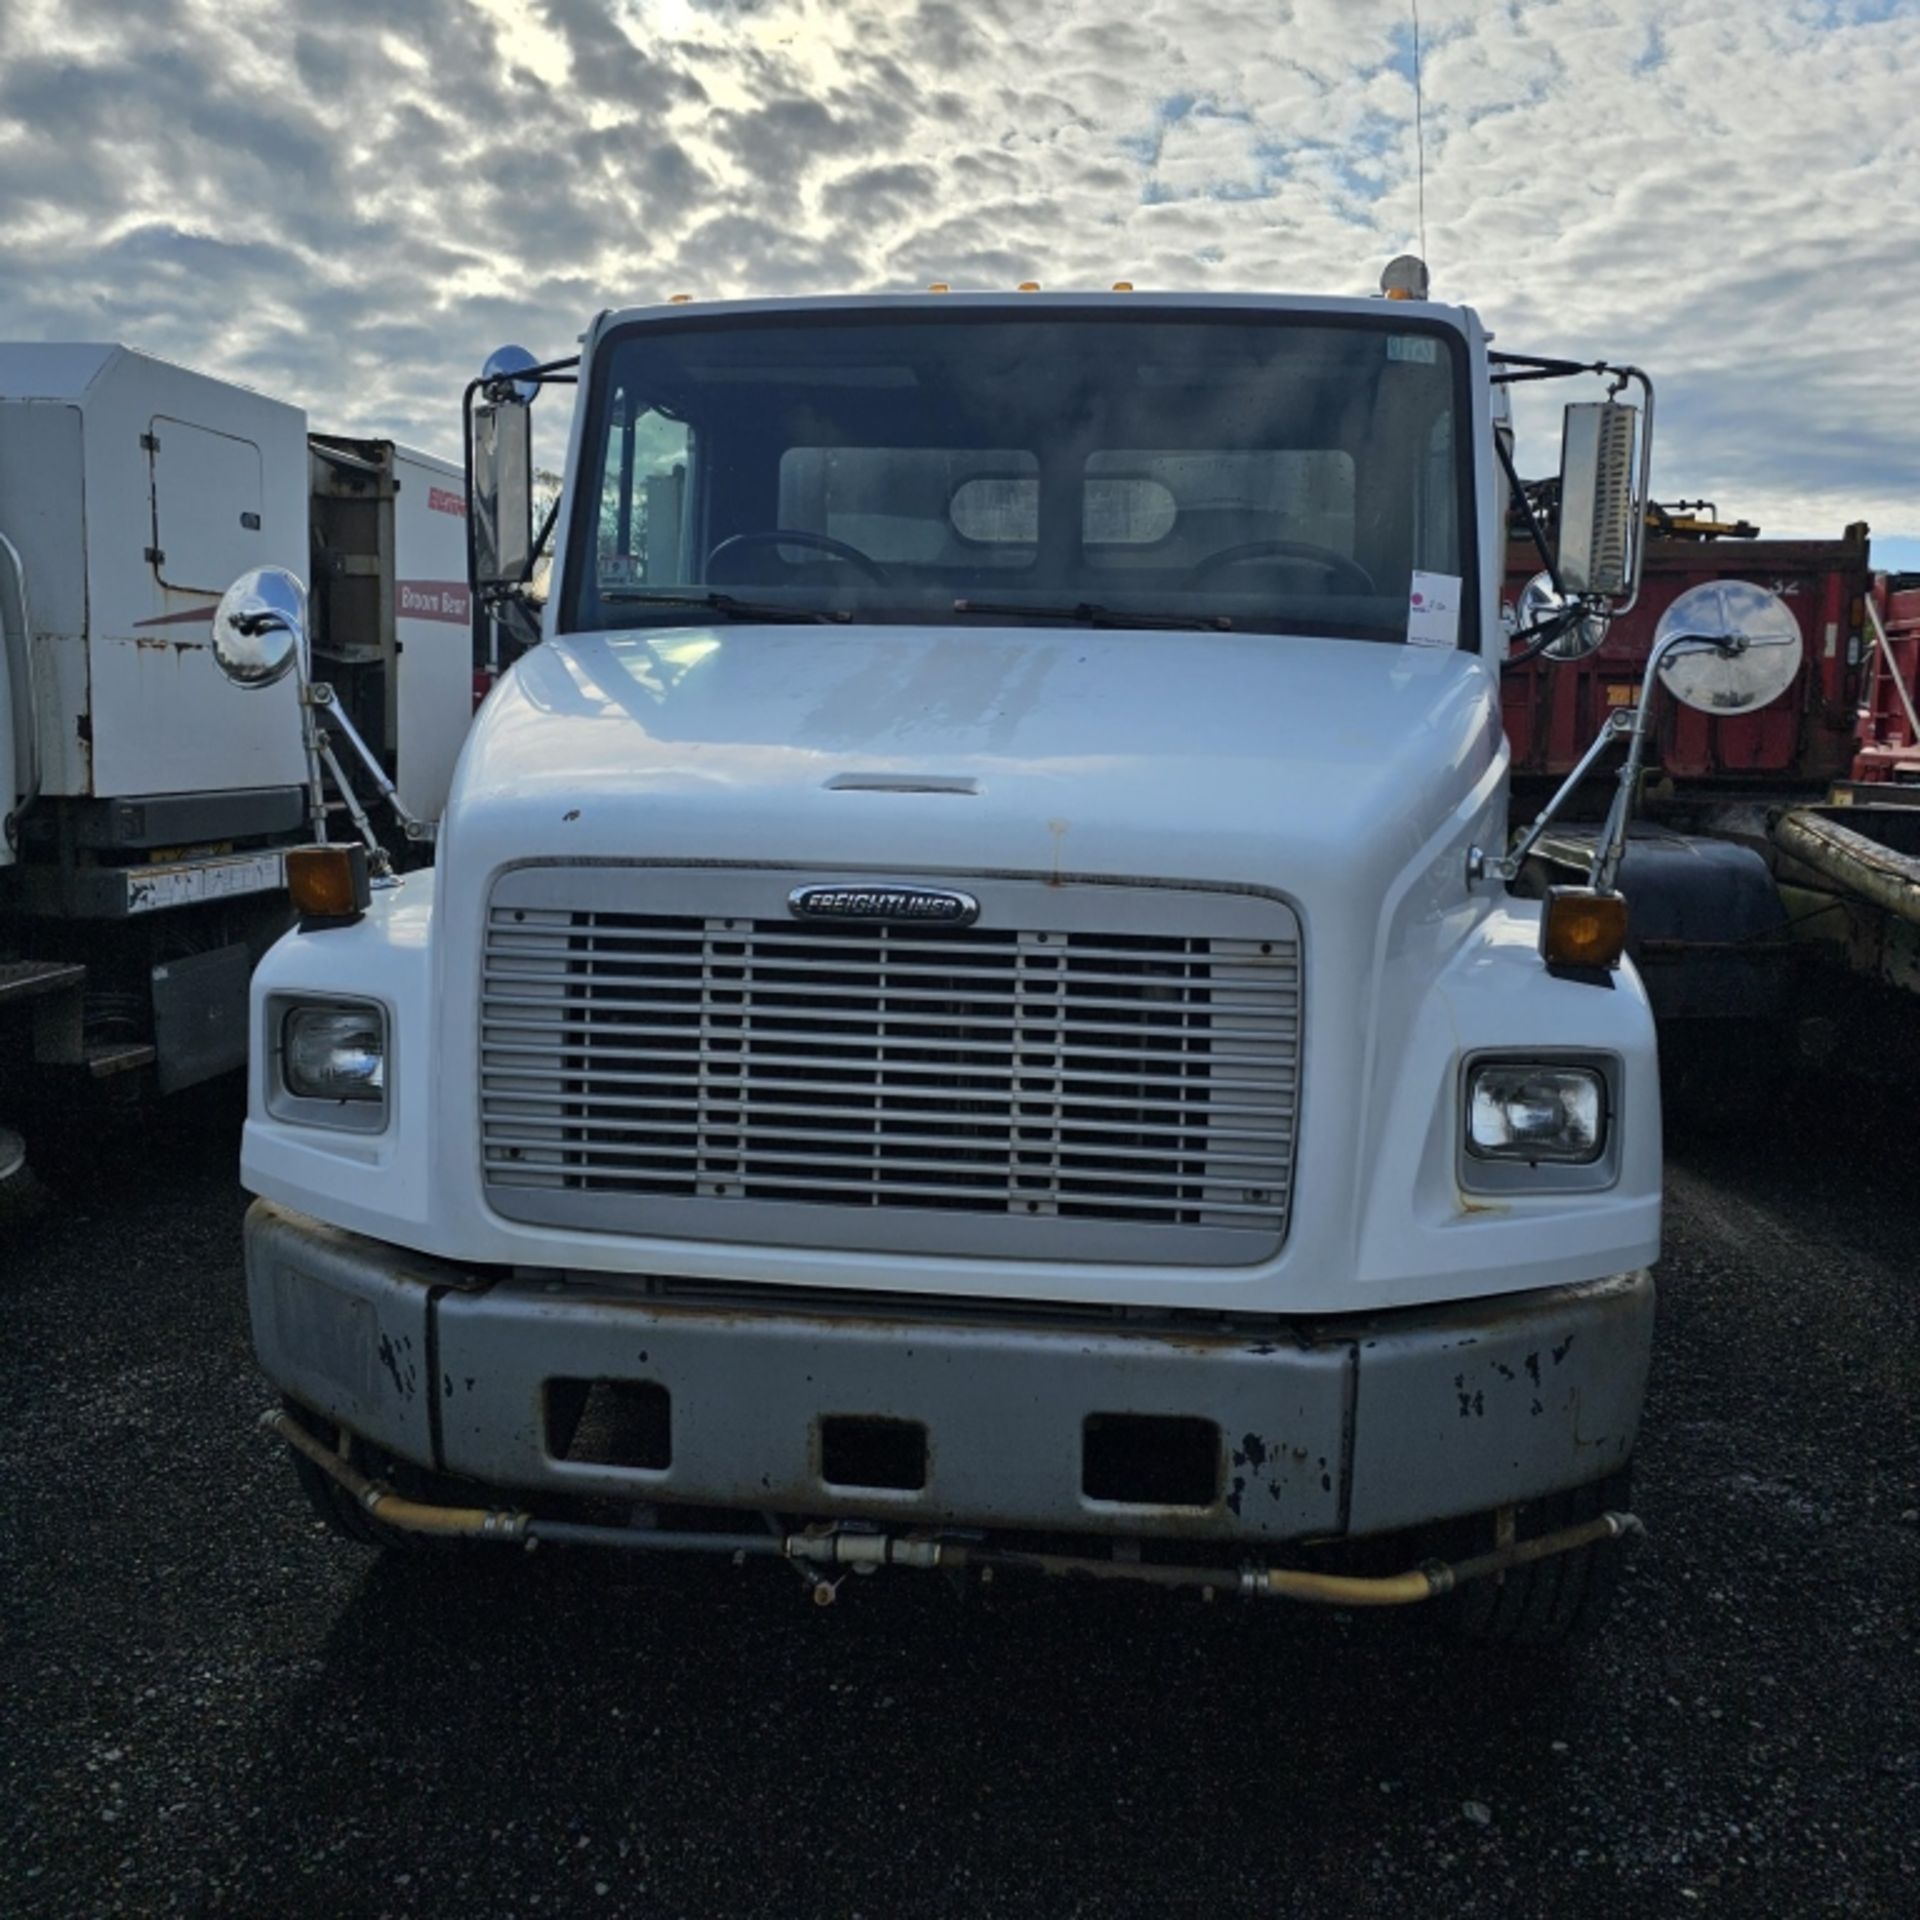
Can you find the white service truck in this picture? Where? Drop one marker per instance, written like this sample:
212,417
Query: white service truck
147,800
970,1012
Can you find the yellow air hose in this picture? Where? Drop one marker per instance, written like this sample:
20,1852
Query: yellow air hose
393,1509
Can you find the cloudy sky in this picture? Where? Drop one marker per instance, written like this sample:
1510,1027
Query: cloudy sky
348,202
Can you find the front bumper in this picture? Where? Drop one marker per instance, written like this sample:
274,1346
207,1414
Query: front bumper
1351,1425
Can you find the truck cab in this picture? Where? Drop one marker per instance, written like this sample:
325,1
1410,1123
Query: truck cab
963,1016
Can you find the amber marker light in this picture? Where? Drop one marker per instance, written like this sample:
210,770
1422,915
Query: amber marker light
1405,278
1582,928
328,885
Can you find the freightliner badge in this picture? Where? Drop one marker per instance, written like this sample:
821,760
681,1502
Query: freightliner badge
932,906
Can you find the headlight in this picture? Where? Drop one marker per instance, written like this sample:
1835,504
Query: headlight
330,1067
1517,1111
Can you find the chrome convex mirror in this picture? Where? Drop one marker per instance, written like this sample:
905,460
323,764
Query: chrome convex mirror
1746,651
260,627
501,375
1539,602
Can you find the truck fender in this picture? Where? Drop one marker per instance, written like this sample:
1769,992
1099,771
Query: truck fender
1705,922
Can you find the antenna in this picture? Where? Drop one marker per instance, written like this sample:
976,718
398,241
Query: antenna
1419,125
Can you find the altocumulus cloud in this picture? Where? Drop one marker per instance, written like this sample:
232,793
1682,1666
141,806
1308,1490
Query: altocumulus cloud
350,201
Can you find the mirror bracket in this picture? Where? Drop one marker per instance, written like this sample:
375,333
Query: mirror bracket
1633,724
320,695
1611,847
1482,865
1572,585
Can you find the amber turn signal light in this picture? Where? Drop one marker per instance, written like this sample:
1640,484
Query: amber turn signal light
1582,928
328,885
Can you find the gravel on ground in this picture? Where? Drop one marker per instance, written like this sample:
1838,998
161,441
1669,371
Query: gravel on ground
213,1707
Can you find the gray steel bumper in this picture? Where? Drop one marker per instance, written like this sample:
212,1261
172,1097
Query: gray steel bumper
1326,1427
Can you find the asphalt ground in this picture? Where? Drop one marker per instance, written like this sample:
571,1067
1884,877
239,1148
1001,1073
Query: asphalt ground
212,1707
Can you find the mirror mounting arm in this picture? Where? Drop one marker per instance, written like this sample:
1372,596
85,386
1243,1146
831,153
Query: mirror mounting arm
1536,532
510,607
1634,724
320,696
1482,865
378,863
1620,377
1611,848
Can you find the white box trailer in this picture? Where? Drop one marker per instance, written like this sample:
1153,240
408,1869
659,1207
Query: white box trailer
148,801
136,492
392,608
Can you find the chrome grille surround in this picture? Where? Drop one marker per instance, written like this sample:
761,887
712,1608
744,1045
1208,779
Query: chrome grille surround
1091,1072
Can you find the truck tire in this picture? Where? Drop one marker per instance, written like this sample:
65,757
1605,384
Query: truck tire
1551,1601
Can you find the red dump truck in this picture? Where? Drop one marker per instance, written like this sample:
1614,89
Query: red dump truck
1774,867
1889,745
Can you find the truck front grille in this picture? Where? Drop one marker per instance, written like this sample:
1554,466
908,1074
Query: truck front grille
1082,1074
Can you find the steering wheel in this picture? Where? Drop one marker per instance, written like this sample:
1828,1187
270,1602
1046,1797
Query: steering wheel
795,537
1337,565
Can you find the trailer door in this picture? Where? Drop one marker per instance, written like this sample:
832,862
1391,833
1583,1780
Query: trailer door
433,628
206,506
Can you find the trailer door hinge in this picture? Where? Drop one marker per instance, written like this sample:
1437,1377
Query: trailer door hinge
151,442
155,558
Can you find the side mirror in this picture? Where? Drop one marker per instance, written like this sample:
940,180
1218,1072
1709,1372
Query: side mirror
1728,647
260,627
500,460
1723,648
502,493
1599,515
1540,602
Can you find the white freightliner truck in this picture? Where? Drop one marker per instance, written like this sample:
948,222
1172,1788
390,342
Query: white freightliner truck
970,1011
147,802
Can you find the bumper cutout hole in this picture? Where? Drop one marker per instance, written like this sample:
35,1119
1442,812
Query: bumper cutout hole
856,1452
1150,1460
610,1423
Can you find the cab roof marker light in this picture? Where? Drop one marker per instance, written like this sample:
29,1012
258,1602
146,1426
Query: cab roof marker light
1405,278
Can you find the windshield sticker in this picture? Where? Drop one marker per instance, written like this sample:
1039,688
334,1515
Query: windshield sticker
1420,348
1433,610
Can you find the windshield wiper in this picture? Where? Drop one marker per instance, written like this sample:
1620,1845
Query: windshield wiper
724,603
1091,614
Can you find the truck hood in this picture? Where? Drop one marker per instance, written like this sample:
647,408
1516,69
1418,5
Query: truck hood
1347,778
1255,759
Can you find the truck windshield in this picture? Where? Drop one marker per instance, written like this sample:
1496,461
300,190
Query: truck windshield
1268,473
